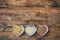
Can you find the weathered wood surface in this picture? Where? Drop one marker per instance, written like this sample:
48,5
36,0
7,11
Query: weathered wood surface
30,12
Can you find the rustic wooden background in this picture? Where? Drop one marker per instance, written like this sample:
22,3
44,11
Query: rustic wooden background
43,12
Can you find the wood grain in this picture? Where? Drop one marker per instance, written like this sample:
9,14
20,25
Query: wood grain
44,12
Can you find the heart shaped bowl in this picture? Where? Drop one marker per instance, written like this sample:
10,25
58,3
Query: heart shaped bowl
42,29
30,30
18,30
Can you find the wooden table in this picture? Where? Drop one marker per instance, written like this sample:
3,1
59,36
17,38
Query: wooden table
30,14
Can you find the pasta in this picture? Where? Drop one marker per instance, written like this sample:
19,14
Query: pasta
18,30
